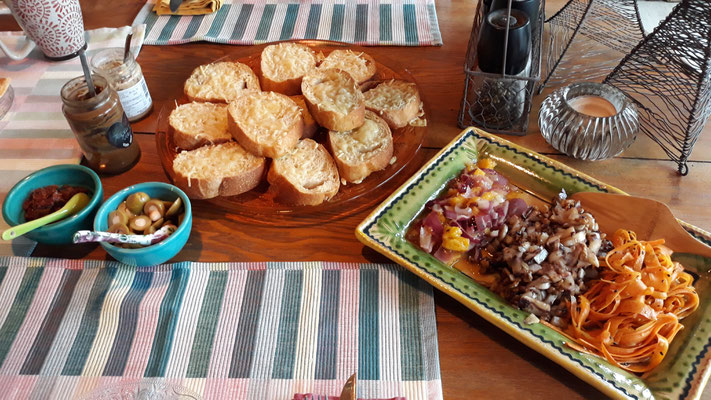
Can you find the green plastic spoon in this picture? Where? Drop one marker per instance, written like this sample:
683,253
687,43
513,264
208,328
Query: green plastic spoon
75,204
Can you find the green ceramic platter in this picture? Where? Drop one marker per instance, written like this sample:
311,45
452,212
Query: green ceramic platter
686,368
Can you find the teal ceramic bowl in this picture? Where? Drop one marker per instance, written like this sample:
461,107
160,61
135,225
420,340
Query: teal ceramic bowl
159,252
60,232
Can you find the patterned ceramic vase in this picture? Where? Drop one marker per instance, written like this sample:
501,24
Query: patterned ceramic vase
56,26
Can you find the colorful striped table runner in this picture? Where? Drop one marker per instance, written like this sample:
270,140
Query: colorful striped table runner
34,133
362,22
70,328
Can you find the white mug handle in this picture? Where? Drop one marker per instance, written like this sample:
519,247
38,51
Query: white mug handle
22,53
26,48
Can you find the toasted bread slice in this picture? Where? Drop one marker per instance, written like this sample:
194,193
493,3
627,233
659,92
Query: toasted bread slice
4,84
284,64
364,150
334,99
359,65
198,124
397,102
225,169
220,82
305,176
310,125
267,124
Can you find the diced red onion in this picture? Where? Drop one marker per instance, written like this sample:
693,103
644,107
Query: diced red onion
517,206
446,256
432,221
426,242
483,204
450,214
483,221
498,180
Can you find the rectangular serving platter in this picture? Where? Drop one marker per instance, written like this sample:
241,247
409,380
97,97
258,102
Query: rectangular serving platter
686,368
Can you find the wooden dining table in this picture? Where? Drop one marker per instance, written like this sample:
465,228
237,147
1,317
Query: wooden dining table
477,359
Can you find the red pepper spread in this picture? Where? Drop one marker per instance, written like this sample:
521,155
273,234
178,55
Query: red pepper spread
48,199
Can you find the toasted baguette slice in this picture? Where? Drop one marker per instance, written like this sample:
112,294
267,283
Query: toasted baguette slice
397,102
4,84
310,125
284,64
225,169
220,82
359,65
305,176
198,124
363,150
334,99
267,124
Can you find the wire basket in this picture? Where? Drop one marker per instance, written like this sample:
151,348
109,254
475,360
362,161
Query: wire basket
499,103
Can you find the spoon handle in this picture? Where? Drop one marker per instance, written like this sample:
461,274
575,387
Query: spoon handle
19,230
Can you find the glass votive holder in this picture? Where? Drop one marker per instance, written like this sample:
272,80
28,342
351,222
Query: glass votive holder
589,121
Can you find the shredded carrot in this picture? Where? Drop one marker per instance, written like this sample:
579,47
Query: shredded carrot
631,313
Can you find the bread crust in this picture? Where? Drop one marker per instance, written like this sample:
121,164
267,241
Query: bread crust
355,171
397,117
260,140
294,193
192,140
341,58
206,82
187,141
4,85
288,85
217,185
310,125
323,111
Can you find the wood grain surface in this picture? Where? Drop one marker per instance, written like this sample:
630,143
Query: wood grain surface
477,359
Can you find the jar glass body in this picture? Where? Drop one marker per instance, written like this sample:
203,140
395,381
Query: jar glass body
126,78
100,125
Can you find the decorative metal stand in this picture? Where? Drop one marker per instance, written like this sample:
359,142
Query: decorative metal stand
491,112
668,74
586,39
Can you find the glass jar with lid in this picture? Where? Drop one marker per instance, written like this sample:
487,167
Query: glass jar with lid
100,125
126,78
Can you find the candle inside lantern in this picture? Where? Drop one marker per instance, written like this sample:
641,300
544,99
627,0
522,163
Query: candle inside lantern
594,106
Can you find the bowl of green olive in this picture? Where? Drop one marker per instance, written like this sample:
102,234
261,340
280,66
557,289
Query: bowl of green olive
144,209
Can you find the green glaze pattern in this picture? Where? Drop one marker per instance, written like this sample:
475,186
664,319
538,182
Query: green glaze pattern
686,368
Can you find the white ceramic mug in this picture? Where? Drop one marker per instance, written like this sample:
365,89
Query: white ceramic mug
55,26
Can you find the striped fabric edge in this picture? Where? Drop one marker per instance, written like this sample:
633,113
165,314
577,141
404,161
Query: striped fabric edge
162,30
75,352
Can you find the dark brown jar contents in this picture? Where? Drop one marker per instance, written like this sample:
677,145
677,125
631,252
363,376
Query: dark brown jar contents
48,199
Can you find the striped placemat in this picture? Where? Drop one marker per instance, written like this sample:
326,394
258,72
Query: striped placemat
34,134
362,22
224,331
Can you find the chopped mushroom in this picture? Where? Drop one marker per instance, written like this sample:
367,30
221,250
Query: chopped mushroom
546,256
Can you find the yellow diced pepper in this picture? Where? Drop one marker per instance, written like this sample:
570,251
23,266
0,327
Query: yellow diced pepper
452,239
486,163
479,172
489,195
457,200
516,194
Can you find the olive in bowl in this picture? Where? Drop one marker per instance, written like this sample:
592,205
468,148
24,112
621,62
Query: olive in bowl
132,211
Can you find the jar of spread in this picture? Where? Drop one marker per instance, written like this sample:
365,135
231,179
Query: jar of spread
126,78
100,125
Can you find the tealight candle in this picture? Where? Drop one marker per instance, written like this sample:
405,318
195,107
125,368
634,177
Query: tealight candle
594,106
589,121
